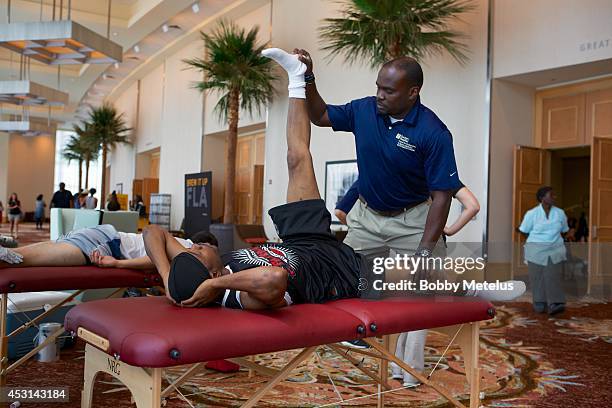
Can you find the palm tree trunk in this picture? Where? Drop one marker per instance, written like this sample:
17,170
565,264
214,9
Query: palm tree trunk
230,157
80,174
86,173
103,187
395,50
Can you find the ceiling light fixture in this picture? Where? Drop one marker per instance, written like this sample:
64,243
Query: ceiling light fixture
30,93
59,42
136,48
165,28
195,8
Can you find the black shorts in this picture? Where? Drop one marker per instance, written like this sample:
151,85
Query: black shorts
299,219
328,269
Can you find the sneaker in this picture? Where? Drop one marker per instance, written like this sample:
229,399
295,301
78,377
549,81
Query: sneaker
132,292
10,257
360,344
513,289
556,308
410,381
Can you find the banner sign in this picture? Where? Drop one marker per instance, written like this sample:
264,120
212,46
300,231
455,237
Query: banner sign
198,190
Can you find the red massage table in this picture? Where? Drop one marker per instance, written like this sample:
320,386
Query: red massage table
38,279
134,349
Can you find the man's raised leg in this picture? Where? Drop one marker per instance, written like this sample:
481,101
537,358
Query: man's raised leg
302,181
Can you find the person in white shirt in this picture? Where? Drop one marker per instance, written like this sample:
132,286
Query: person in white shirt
91,202
101,245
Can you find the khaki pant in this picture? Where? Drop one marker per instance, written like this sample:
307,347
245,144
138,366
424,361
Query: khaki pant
370,233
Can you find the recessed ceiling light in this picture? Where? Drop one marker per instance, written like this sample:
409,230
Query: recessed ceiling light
165,28
136,48
195,8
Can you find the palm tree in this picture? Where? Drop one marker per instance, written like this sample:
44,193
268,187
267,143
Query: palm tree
380,30
233,66
108,128
90,147
74,151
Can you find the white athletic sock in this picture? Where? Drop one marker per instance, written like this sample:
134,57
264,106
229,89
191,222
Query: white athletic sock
9,256
294,67
514,290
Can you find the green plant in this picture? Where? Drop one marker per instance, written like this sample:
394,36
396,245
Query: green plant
380,30
108,129
233,67
89,146
73,151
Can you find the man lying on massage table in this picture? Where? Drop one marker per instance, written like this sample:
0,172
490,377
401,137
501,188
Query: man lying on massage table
101,245
310,266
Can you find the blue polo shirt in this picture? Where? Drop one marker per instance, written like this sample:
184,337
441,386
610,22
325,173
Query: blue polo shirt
399,162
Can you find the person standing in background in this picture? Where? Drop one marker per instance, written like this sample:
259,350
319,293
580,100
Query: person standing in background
39,212
62,198
14,215
92,202
545,252
113,202
82,199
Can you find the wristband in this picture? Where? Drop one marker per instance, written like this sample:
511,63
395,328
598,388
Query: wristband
309,78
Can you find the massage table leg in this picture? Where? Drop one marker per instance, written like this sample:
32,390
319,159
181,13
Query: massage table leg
467,337
183,377
391,357
282,374
145,385
3,339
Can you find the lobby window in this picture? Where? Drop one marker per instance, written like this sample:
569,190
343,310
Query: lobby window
69,172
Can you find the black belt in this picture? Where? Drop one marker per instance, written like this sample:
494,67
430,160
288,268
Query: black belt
392,213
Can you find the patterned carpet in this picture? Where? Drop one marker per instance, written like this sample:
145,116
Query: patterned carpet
527,360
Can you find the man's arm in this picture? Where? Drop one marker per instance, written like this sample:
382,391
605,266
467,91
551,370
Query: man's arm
436,219
317,108
161,247
261,288
143,262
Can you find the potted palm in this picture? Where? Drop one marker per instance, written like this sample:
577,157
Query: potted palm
233,67
74,151
380,30
108,129
89,147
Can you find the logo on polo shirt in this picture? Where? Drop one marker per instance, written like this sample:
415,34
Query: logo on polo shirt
403,142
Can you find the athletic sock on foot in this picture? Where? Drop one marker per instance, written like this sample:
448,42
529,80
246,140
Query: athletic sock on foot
514,290
294,67
9,256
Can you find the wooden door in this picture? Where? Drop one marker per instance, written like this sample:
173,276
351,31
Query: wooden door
600,215
137,185
531,171
563,121
243,198
154,165
257,202
149,186
598,114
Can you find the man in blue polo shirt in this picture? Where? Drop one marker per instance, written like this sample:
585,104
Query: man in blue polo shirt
407,169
